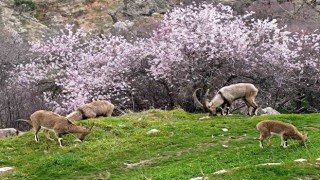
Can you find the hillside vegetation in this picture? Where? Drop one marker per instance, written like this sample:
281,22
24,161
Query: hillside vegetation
184,148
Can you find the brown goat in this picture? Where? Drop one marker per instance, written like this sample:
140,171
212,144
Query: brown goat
226,96
284,130
52,121
92,110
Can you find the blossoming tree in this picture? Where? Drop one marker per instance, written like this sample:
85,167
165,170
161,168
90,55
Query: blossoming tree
195,46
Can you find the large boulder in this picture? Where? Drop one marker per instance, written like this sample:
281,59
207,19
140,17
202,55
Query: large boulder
8,132
269,111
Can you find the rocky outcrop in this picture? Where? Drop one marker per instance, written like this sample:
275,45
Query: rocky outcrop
99,16
14,19
8,132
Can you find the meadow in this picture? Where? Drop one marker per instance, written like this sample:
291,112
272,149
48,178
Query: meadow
184,148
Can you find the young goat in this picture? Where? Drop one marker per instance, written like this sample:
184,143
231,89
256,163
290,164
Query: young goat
284,130
226,96
52,121
92,110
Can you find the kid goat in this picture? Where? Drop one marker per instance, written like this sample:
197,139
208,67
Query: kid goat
284,130
52,121
226,96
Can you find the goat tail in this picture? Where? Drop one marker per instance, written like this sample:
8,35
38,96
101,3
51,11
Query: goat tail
25,120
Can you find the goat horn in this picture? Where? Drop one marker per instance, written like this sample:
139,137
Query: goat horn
206,101
196,100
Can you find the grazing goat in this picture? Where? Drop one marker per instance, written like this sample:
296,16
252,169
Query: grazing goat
8,132
92,110
284,130
226,96
52,121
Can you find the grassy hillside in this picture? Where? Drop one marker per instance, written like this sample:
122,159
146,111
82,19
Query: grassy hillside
185,148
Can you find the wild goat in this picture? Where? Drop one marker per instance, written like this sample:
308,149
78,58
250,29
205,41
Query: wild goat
8,132
52,121
92,110
284,130
226,96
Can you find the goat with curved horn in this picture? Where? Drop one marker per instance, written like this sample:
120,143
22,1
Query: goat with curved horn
198,103
226,96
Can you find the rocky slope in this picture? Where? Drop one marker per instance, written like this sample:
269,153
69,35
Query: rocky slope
35,18
24,23
96,15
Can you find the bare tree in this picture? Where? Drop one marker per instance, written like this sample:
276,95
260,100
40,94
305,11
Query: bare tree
14,103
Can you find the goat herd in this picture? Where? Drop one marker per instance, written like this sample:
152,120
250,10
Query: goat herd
221,102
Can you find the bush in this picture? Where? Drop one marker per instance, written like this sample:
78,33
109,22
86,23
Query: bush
25,5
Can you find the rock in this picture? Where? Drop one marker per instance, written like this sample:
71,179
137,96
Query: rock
153,131
300,160
4,169
21,22
269,111
198,178
268,164
225,146
147,7
87,14
224,129
8,132
204,118
156,15
122,25
220,172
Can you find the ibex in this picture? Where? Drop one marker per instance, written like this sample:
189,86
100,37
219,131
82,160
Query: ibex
92,110
52,121
226,96
284,130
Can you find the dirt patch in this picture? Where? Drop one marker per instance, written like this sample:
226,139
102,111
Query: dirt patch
140,163
177,154
145,162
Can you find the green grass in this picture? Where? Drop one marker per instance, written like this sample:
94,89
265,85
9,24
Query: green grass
183,149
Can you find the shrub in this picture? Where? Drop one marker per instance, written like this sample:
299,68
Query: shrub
25,5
